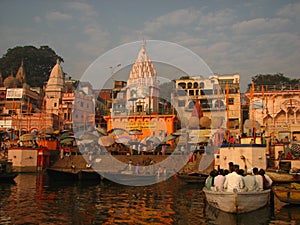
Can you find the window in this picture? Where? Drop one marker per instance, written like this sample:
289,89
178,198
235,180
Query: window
190,85
201,85
55,104
182,85
191,105
196,85
181,103
219,104
191,92
230,101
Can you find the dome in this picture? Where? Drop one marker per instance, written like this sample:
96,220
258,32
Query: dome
56,78
194,122
10,82
205,122
217,122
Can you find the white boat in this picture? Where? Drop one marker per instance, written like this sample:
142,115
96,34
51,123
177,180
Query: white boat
237,202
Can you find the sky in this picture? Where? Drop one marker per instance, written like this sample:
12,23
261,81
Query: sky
245,37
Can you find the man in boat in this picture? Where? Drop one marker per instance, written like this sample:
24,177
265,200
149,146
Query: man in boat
230,166
234,181
219,180
259,179
250,181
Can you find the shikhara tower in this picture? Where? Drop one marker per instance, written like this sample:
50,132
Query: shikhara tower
142,91
54,89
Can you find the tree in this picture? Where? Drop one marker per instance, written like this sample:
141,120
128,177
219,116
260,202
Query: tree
273,79
38,63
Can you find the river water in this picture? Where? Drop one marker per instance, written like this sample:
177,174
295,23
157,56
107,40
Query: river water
34,199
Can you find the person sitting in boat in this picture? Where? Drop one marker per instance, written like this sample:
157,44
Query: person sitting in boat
230,167
267,181
259,179
234,181
250,181
219,181
209,182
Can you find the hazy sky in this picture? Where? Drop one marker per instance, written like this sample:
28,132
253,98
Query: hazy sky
230,36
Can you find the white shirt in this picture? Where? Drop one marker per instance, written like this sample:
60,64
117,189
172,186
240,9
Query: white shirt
219,183
270,182
260,182
250,183
233,181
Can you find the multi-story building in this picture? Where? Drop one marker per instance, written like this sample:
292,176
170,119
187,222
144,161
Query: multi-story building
276,108
218,96
18,103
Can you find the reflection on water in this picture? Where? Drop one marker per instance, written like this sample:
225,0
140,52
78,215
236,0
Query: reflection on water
215,216
33,199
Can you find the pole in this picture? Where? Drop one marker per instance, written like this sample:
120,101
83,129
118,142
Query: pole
20,120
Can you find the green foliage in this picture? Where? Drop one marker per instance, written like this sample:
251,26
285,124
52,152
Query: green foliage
38,63
273,79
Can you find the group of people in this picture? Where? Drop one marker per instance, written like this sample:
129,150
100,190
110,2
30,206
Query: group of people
235,179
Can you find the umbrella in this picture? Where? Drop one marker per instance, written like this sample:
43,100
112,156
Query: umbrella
89,135
135,132
67,140
123,139
28,137
117,131
106,141
169,138
84,142
101,131
65,135
155,140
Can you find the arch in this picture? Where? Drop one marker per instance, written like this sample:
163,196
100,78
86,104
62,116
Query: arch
202,85
219,103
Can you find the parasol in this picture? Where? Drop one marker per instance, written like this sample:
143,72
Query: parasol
101,131
118,131
89,136
28,137
106,141
67,140
169,138
135,132
123,139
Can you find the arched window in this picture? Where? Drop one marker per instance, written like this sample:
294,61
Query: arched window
182,85
191,105
219,104
202,85
196,85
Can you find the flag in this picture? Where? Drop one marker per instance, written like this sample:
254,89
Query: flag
252,91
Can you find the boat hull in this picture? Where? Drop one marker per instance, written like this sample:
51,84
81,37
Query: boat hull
131,178
237,202
193,178
7,177
287,195
282,176
70,174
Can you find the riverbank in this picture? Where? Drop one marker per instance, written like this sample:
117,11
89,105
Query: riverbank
119,162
